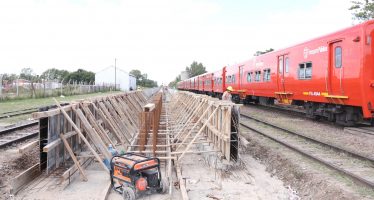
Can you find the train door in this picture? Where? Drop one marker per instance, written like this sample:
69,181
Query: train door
336,68
241,72
280,79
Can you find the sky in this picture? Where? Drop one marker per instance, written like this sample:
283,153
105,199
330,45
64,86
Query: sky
158,37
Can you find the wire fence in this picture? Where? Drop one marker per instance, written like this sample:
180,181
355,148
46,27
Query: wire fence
22,90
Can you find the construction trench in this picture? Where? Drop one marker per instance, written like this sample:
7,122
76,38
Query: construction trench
172,126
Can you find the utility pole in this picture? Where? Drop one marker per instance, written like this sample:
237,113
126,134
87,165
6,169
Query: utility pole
115,74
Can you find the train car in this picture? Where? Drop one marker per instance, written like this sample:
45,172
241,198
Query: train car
218,82
200,84
331,76
208,83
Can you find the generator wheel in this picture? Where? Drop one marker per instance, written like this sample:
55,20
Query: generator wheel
128,193
163,186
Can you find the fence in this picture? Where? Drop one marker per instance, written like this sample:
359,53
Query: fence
22,90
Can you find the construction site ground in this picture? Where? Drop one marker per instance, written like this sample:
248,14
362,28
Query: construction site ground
264,170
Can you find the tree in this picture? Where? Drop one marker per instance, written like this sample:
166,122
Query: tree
138,75
263,52
55,74
173,84
27,73
142,79
81,75
195,69
362,10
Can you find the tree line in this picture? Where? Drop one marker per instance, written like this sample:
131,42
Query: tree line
142,79
64,76
194,69
61,75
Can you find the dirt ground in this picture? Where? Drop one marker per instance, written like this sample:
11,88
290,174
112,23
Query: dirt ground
248,180
13,163
309,179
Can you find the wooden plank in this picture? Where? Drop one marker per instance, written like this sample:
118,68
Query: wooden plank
149,107
25,177
200,131
28,147
95,138
181,183
52,112
125,119
55,143
82,136
118,120
107,116
131,116
99,129
76,162
109,124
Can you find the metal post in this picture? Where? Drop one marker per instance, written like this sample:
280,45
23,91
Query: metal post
1,84
17,85
62,86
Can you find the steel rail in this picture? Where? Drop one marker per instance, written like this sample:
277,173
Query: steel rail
19,139
17,114
357,155
11,129
328,164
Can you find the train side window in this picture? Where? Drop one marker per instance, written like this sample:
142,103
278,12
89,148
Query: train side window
233,79
308,71
305,70
249,77
280,65
338,57
229,79
258,76
267,75
287,63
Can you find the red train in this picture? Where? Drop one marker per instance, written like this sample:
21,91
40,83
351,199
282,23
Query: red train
331,76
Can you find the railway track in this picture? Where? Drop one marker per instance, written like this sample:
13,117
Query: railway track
17,113
357,167
19,133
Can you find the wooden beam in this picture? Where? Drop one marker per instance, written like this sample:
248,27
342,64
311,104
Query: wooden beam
28,147
25,177
52,112
200,131
181,183
76,162
91,132
58,141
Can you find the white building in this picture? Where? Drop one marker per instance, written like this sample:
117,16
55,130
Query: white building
123,80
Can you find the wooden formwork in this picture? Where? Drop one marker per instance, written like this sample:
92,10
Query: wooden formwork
207,119
81,131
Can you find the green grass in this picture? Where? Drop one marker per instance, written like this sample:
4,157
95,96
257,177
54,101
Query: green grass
14,105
